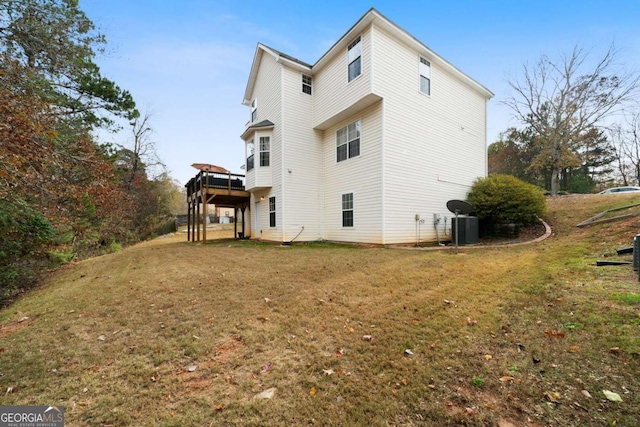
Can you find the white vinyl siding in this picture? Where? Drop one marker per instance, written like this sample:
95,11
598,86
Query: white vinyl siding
267,179
332,93
434,149
302,165
360,176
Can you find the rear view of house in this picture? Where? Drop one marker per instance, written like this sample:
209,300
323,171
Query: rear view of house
375,136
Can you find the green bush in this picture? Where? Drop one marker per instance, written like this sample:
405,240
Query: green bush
24,237
500,199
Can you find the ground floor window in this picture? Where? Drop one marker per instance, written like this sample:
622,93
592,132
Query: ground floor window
272,211
347,210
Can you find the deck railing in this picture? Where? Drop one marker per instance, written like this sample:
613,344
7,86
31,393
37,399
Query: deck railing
205,179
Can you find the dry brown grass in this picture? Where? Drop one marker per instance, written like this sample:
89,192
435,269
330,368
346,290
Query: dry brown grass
496,333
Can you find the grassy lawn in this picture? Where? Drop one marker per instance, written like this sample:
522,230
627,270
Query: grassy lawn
170,333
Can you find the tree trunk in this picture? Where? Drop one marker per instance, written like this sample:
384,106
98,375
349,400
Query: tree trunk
554,180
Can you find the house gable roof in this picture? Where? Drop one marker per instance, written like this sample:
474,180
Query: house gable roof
372,16
279,57
265,124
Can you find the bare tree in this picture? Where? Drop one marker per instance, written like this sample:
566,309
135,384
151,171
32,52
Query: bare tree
563,99
142,155
626,140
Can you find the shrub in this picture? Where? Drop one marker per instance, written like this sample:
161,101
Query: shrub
24,236
500,199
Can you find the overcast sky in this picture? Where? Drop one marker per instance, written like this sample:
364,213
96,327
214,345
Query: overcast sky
187,62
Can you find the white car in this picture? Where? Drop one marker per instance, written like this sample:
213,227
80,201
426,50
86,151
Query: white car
620,190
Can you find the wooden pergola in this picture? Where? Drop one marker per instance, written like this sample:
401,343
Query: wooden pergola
214,185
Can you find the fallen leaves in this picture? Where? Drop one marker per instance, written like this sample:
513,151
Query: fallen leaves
267,394
554,334
312,391
614,397
552,396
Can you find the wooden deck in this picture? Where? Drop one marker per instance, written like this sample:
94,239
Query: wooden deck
223,190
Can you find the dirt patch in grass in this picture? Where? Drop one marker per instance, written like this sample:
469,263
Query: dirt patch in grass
174,333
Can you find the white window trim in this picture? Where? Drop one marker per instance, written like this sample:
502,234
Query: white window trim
274,211
424,70
250,151
353,210
254,110
260,151
310,84
349,61
356,122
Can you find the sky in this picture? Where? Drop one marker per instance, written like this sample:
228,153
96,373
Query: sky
187,62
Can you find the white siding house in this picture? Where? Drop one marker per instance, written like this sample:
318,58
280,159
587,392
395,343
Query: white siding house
380,129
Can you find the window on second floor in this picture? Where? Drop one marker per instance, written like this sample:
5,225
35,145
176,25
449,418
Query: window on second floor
254,110
355,58
425,76
250,151
265,148
348,141
272,211
306,84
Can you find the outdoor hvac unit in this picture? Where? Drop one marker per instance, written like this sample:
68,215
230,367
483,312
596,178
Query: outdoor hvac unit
468,233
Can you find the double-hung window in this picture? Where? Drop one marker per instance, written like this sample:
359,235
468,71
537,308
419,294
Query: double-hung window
272,211
354,56
264,150
425,76
250,151
254,110
347,210
306,84
348,141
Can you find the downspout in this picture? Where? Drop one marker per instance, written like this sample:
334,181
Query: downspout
282,158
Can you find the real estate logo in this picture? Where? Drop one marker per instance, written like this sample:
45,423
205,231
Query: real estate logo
31,416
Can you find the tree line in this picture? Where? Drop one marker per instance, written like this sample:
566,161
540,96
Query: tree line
579,122
63,193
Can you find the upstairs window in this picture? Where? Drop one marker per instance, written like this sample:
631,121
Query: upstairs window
355,59
425,76
272,211
306,84
250,150
348,141
347,210
265,143
254,110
